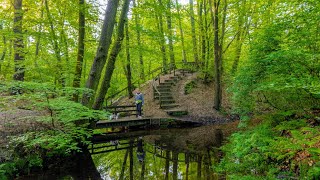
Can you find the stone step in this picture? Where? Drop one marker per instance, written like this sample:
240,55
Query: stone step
163,93
168,83
164,90
168,97
169,106
164,86
167,101
176,112
176,77
181,71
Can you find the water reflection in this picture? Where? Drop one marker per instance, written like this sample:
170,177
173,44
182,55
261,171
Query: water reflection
158,154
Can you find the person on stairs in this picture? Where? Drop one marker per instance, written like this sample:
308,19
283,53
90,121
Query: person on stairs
139,100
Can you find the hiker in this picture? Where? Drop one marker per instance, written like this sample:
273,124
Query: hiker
139,100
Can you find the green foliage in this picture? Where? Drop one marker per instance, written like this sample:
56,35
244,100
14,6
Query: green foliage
64,129
7,170
283,67
189,87
69,121
289,149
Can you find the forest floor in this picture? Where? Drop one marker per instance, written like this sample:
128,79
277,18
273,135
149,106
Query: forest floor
15,120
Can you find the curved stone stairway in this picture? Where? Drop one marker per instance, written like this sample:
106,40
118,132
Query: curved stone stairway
166,98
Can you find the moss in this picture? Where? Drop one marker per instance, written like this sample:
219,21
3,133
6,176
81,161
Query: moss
189,87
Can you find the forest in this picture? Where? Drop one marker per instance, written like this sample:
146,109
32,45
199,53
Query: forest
62,62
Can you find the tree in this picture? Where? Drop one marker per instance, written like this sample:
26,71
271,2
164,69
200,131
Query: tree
18,41
162,37
57,51
138,31
105,84
4,51
193,31
170,36
242,28
80,54
102,50
184,54
128,63
218,44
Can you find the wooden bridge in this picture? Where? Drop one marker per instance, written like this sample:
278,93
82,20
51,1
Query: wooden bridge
162,92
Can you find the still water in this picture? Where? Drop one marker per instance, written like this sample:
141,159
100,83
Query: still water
159,154
184,153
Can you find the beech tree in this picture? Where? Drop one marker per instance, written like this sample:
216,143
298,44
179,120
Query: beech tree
102,50
105,84
80,54
18,41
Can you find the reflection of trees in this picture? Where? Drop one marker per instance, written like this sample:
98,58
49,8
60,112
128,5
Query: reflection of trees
165,158
131,159
124,165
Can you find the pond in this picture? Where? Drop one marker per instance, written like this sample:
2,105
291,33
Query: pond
180,153
187,153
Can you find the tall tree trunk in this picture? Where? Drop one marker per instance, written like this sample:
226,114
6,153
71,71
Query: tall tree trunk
80,54
18,42
184,54
56,48
136,18
207,38
4,51
193,30
102,50
38,38
66,67
162,39
240,35
105,84
217,54
128,64
170,36
202,34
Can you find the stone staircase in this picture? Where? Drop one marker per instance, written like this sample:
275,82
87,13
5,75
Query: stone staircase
166,99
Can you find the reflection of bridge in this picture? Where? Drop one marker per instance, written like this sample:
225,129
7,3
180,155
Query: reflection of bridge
159,144
156,150
147,121
158,147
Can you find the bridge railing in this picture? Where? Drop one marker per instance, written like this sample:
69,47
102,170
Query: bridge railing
120,111
156,76
121,93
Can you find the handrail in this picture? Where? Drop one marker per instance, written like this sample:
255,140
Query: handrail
172,67
150,73
156,89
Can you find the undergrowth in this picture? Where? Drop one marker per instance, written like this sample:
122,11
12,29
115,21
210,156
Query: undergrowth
65,127
278,148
